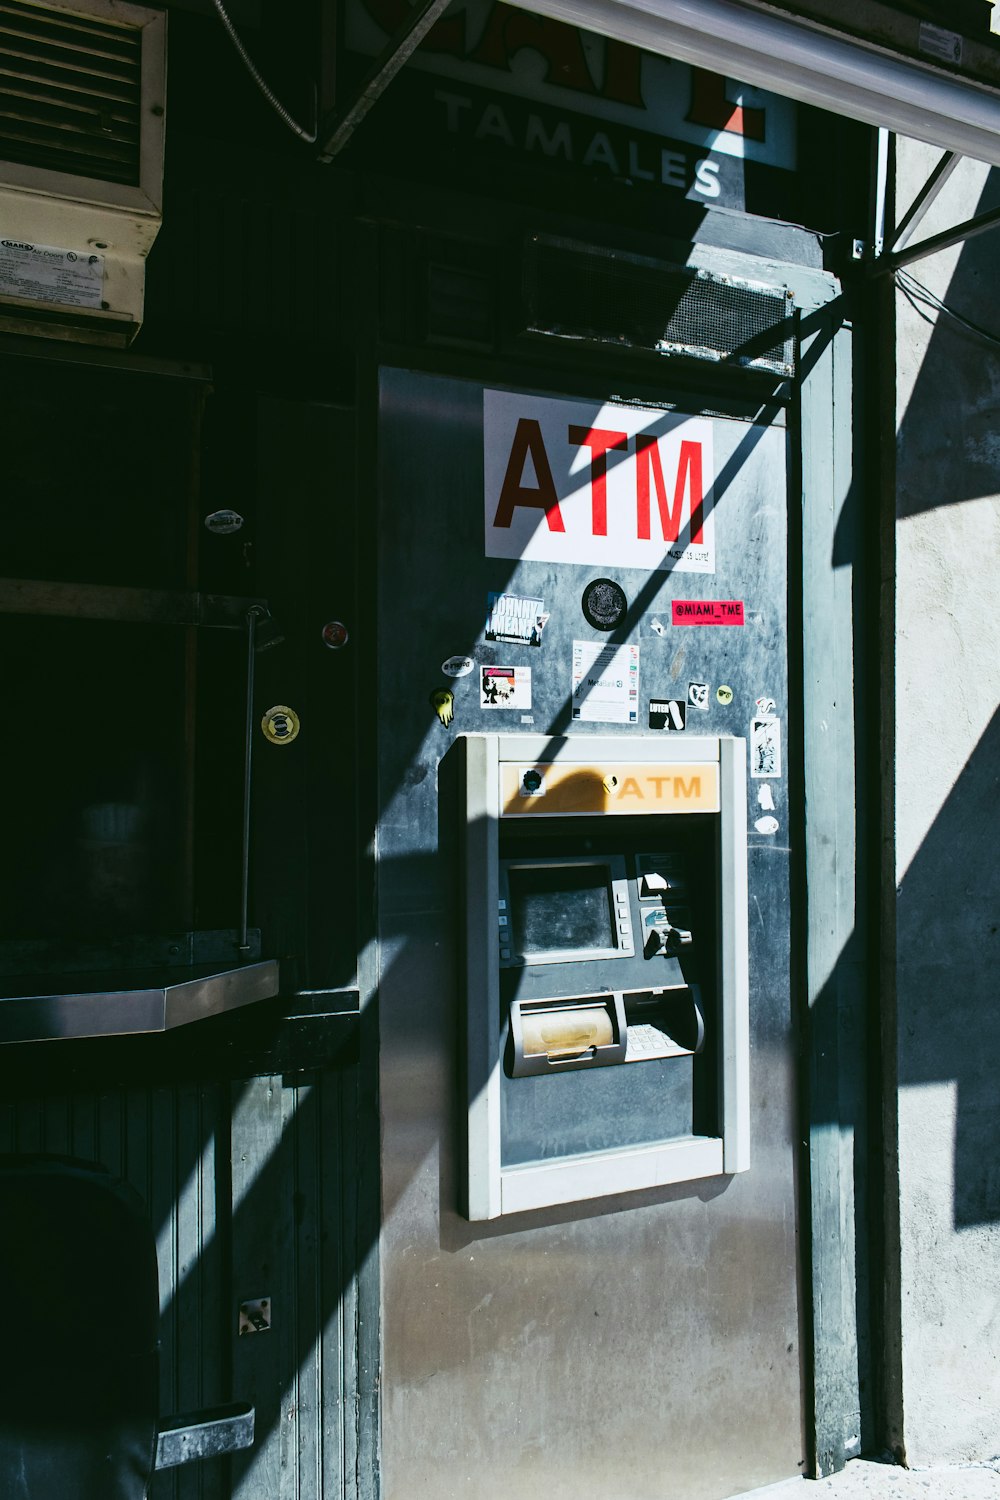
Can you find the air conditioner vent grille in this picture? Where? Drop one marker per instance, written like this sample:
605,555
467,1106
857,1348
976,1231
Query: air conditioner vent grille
70,91
603,297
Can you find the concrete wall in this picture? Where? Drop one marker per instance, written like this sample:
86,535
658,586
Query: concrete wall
948,829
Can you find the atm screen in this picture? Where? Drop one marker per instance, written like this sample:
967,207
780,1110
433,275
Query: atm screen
561,908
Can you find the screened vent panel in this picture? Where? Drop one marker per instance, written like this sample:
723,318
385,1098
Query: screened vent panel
602,297
70,90
459,306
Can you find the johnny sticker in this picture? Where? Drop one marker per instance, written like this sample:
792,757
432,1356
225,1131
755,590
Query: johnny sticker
505,687
698,695
515,619
765,747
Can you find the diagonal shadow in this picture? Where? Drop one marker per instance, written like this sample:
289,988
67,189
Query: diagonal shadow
269,1228
948,949
954,415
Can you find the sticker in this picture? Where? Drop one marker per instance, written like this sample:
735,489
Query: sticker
527,718
443,704
532,782
457,666
667,713
765,747
609,783
707,611
936,42
765,798
724,694
605,683
43,273
658,626
698,695
604,604
335,634
280,724
766,825
517,620
609,486
764,706
224,522
255,1316
505,687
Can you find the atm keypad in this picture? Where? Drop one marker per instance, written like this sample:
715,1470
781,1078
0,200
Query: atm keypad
624,919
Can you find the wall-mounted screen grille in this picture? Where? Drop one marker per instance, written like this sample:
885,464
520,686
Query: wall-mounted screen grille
70,91
605,297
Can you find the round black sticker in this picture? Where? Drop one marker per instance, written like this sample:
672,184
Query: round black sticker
604,603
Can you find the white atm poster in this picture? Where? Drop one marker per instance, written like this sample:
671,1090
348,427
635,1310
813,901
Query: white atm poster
604,485
605,683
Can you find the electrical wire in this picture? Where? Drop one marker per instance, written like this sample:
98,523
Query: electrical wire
916,293
307,135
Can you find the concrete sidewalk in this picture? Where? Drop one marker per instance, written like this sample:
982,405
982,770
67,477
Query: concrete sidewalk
864,1479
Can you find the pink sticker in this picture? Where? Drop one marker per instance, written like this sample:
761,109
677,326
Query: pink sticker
707,611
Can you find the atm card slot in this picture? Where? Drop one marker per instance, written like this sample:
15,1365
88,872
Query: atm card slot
663,1023
552,1036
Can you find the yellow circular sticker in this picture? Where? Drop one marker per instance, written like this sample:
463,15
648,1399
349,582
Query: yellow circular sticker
724,694
280,724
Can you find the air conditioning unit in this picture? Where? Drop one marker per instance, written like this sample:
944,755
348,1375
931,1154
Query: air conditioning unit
82,103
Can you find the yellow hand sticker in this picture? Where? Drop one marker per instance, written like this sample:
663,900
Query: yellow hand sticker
443,704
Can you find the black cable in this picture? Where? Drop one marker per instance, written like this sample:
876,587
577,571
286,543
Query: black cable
915,292
307,135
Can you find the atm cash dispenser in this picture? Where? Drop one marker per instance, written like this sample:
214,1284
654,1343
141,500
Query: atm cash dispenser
605,966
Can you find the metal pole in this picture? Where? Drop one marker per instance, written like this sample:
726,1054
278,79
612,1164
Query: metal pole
881,185
888,264
922,202
336,130
257,612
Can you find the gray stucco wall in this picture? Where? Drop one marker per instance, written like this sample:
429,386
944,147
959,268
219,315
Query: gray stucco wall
948,829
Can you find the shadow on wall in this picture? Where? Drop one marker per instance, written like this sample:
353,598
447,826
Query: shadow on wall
948,904
949,427
948,946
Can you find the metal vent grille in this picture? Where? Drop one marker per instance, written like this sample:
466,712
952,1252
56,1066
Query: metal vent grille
70,89
599,296
459,306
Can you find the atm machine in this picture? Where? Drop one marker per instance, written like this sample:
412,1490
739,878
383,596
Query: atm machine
605,922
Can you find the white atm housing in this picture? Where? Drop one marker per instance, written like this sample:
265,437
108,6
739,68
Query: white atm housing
589,790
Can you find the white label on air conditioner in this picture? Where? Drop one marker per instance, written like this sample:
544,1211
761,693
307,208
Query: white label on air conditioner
43,273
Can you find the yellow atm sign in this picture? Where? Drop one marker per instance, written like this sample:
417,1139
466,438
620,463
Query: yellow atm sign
622,787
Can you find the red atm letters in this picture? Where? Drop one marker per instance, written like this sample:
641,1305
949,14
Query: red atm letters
622,486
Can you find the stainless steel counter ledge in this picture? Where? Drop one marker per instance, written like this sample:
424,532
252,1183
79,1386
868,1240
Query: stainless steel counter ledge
59,1007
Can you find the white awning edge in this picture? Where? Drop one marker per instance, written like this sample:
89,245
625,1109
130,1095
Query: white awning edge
788,56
